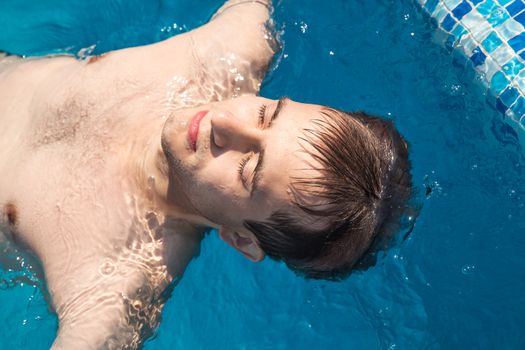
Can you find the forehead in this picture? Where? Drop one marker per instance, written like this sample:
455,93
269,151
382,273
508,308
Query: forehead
287,154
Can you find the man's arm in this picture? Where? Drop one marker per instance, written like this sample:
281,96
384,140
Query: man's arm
244,28
238,36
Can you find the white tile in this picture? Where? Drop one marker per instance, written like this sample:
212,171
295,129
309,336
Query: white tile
440,13
451,4
490,67
509,29
482,31
502,54
520,80
472,20
468,44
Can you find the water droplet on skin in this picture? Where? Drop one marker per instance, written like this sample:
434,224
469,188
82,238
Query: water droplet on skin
107,268
182,123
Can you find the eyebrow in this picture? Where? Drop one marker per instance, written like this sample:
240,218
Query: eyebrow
260,162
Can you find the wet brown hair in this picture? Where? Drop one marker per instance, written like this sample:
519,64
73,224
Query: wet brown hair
360,195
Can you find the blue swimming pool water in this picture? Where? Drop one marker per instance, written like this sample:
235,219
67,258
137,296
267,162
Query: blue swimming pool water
456,283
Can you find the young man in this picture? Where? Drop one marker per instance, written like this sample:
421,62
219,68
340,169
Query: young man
113,167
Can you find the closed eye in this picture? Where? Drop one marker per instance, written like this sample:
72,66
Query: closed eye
262,114
240,169
275,114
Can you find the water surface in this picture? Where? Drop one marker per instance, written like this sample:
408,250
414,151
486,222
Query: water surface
456,283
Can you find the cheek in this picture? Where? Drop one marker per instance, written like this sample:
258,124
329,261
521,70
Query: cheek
219,186
217,194
219,207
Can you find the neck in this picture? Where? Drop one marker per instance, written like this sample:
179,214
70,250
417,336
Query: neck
150,167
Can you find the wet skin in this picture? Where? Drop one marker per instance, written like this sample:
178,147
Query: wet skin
101,184
247,153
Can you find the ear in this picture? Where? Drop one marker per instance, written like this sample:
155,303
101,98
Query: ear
244,242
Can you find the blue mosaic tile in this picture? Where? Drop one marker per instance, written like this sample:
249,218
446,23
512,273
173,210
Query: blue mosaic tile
497,17
509,96
517,42
486,8
490,34
492,42
430,6
450,42
519,107
448,23
500,106
450,4
520,18
458,31
513,67
516,7
462,9
478,57
498,82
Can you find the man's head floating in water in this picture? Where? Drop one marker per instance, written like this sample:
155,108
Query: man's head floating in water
312,186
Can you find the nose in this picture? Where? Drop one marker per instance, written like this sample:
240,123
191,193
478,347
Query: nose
231,132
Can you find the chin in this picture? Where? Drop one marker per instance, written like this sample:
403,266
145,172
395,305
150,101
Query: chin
176,150
170,139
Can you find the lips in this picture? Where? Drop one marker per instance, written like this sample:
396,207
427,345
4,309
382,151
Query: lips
193,129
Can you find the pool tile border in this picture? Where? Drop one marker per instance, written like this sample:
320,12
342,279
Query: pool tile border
491,35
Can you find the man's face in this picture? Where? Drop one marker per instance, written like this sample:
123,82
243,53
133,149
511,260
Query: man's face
234,160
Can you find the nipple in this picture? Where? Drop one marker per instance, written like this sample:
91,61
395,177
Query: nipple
12,213
95,58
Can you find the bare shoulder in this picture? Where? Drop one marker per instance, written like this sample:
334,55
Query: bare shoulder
231,53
